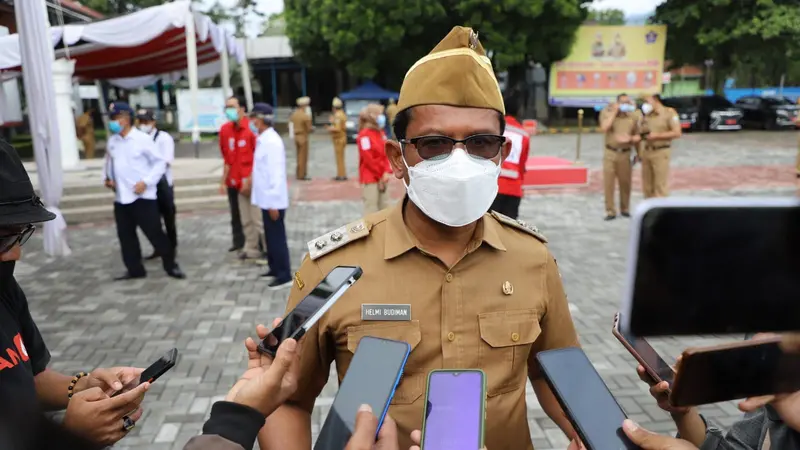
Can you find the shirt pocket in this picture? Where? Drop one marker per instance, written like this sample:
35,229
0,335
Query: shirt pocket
507,337
412,381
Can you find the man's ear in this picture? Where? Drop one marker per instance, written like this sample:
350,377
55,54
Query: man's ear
395,154
505,150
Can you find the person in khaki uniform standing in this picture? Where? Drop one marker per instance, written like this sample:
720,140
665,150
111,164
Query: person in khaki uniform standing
484,289
391,113
85,129
338,129
620,123
299,128
660,126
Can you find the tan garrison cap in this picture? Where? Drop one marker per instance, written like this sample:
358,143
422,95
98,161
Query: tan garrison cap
303,101
337,102
456,72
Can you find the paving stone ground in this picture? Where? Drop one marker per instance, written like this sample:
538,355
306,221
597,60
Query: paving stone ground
89,321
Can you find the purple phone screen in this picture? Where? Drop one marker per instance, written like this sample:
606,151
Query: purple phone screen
454,411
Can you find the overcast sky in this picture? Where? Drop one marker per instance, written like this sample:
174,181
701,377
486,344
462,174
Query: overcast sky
631,7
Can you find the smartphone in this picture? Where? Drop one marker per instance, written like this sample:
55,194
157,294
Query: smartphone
733,371
585,398
371,379
648,357
713,266
306,314
455,410
154,372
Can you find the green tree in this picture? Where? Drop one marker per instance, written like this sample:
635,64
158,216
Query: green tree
275,25
606,17
756,35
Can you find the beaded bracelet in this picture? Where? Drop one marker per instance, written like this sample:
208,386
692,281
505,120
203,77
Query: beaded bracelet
74,381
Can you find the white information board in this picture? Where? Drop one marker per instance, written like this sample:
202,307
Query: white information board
210,110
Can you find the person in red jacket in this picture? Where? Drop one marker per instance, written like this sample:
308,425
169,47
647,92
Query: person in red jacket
373,165
512,171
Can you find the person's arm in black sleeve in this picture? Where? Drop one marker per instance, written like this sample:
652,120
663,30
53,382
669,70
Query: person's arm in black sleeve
231,426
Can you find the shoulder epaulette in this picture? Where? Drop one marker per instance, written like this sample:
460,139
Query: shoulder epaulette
337,238
520,225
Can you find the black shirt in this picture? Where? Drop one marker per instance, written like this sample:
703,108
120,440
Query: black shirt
23,353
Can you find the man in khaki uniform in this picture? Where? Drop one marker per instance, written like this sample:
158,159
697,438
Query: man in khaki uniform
484,289
660,126
300,127
391,113
338,129
620,123
85,129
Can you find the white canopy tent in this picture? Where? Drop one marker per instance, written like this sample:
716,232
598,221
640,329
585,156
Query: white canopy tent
166,42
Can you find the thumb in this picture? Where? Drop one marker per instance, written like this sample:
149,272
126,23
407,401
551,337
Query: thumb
365,430
284,359
643,438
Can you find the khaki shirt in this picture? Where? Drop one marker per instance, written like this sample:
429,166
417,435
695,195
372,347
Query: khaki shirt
659,122
301,122
85,126
495,309
339,123
625,124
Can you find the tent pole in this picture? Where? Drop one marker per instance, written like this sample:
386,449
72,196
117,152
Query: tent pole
248,89
191,62
224,72
274,86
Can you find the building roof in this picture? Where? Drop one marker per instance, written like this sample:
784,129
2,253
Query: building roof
268,47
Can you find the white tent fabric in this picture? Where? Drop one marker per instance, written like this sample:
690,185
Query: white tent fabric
204,71
36,54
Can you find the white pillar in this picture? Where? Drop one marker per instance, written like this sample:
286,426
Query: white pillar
225,72
191,61
102,102
62,83
248,89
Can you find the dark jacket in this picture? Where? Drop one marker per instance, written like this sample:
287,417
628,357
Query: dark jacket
231,427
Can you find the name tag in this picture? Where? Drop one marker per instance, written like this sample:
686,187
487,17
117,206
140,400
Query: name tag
383,312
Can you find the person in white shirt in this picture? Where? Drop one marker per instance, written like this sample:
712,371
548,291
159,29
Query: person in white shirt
164,189
270,192
133,168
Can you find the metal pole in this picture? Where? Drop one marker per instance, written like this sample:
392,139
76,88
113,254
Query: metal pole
780,89
580,132
194,87
224,72
248,89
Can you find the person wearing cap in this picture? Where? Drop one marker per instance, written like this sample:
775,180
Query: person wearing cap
660,126
134,166
373,166
338,129
470,289
164,190
26,382
271,193
84,126
391,113
512,172
300,127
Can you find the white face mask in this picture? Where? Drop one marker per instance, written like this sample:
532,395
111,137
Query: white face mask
145,128
454,191
647,108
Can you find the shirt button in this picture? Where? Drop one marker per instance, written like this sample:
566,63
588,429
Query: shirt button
448,277
515,337
451,336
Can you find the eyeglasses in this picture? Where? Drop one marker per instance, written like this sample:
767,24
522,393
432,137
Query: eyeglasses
8,241
484,146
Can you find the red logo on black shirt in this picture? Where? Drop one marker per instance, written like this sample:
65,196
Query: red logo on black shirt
15,356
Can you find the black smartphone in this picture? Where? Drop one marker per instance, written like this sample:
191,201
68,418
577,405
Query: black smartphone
645,354
371,379
585,398
713,266
736,370
306,314
154,372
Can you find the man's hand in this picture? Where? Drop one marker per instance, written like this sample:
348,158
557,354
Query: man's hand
139,188
111,185
416,438
635,139
266,384
786,405
109,380
223,189
274,214
246,187
614,108
92,415
653,136
791,341
651,441
660,391
367,426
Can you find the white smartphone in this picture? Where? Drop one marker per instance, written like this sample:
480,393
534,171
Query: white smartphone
713,266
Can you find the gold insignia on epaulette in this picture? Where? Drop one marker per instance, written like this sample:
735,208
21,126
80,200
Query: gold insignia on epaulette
473,39
336,239
298,281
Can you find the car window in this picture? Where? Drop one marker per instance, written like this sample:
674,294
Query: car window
680,102
776,101
748,101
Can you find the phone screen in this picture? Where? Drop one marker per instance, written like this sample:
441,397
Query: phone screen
311,308
648,354
454,411
371,379
585,398
717,269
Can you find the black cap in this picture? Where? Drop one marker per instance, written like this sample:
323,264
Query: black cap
19,204
145,114
119,108
261,110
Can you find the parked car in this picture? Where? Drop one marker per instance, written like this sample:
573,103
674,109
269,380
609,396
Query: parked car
706,112
769,113
352,108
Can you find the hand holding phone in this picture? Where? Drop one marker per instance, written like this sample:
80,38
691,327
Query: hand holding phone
154,372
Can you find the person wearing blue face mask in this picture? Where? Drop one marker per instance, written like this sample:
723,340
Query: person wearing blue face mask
620,123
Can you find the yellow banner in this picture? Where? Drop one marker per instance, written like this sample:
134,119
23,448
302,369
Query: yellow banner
608,60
